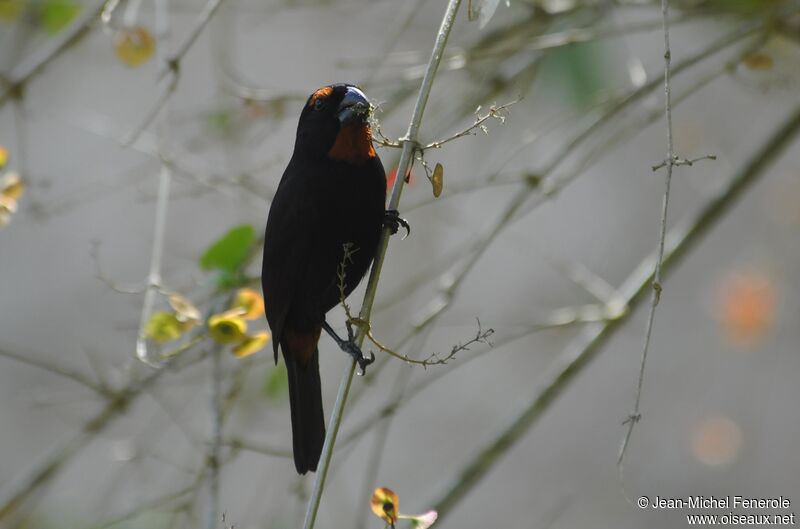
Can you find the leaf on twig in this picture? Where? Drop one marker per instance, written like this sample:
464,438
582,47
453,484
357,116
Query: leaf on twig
227,328
163,327
57,14
251,344
437,180
184,309
250,303
134,46
385,504
229,252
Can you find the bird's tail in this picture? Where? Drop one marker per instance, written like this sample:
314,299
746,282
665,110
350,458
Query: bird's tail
305,400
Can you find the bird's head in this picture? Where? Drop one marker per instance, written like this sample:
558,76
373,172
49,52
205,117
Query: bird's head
334,123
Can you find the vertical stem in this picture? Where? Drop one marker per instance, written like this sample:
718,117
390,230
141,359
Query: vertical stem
162,203
655,295
409,147
212,462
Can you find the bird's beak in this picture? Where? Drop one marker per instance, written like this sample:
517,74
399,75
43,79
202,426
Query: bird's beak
354,107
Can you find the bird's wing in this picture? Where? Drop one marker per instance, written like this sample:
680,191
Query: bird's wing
287,248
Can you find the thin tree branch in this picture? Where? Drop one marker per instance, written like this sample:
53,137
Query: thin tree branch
410,145
75,376
172,68
213,459
30,66
677,243
655,296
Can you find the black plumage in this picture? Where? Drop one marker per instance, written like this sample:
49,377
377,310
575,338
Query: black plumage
332,192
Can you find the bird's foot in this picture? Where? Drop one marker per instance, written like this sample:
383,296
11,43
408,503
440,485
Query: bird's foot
349,346
353,350
393,221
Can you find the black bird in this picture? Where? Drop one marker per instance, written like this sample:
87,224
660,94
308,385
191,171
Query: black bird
332,193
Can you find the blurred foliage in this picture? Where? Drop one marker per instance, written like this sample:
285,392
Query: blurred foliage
276,384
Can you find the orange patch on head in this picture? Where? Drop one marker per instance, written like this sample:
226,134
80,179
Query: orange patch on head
322,93
302,345
353,144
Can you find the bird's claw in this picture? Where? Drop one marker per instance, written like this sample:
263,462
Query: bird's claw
353,350
393,221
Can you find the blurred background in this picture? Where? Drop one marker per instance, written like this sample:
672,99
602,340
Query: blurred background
544,234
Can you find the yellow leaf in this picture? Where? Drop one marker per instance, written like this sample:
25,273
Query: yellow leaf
437,180
184,309
134,46
12,186
385,505
250,303
227,328
251,344
3,150
163,327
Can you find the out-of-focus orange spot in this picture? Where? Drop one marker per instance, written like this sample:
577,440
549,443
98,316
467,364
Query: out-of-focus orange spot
747,307
385,505
3,155
716,441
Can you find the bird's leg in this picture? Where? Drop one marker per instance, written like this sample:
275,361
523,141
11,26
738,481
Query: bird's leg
393,221
349,346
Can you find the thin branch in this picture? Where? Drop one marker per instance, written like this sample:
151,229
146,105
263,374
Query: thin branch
172,68
655,296
409,146
30,66
213,459
75,376
564,371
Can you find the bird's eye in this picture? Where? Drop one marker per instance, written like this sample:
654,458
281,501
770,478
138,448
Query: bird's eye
318,104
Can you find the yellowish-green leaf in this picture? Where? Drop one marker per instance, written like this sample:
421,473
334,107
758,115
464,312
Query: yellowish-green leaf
227,328
134,46
57,14
437,180
163,327
385,505
230,251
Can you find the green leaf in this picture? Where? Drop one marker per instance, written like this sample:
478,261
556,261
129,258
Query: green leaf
57,14
276,385
230,251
